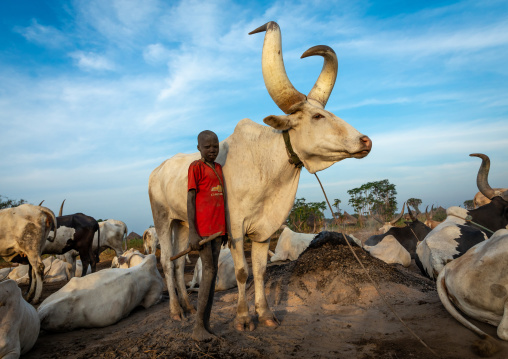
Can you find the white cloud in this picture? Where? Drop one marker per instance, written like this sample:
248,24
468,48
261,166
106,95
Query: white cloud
91,61
156,54
43,35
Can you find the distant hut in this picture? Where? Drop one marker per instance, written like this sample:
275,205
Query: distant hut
347,220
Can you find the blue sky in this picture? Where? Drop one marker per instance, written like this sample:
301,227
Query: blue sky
96,94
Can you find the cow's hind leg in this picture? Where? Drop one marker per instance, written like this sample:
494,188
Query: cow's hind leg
36,269
259,259
502,328
163,227
180,243
243,320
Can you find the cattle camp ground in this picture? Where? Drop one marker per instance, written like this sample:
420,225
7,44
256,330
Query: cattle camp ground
326,305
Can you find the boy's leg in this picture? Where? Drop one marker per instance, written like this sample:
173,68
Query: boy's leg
216,245
207,281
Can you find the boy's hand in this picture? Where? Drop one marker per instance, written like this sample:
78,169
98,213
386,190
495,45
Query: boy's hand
194,242
224,240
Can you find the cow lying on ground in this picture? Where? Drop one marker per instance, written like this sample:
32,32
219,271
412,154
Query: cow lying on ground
23,233
457,233
102,298
19,323
79,269
226,278
113,234
55,270
291,244
75,231
387,225
476,284
428,219
398,244
128,259
150,240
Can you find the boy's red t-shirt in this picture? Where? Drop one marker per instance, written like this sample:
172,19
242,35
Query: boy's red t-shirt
210,212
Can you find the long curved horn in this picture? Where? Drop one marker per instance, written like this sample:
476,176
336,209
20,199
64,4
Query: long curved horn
483,173
283,93
61,209
426,213
324,85
413,218
40,204
378,220
400,216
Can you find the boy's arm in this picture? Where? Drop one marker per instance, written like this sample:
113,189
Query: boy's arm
194,237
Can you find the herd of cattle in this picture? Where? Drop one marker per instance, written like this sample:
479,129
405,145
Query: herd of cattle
466,254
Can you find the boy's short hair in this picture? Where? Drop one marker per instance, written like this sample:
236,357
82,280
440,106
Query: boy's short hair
203,134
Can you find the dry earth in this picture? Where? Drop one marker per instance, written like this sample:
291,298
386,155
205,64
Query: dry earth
327,308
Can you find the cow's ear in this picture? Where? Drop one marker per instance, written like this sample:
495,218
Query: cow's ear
278,122
122,260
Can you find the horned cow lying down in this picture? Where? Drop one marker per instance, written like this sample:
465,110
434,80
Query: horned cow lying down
55,270
476,283
291,244
102,298
128,259
226,278
19,324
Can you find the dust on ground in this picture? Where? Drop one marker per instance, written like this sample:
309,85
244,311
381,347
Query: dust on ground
327,306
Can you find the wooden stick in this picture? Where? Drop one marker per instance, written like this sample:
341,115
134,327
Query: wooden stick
201,242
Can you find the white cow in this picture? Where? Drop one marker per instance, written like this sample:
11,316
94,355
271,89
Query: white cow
259,180
23,233
55,270
128,259
462,229
150,240
113,236
19,323
102,298
389,250
291,244
476,284
226,278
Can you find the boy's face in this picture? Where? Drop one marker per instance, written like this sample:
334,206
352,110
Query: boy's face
208,146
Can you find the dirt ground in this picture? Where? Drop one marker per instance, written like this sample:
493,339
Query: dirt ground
327,307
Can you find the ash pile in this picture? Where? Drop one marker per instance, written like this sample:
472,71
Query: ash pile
327,271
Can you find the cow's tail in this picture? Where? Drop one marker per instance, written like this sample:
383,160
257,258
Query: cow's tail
124,240
97,259
50,222
486,346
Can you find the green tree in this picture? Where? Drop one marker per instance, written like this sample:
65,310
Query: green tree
469,204
7,203
336,203
306,217
376,197
414,202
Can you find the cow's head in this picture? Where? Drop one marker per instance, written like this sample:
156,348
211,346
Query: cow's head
493,215
318,137
387,225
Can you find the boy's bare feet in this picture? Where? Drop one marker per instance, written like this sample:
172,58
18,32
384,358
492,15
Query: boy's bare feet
200,334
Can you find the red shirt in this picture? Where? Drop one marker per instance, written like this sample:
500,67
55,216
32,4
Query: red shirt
210,212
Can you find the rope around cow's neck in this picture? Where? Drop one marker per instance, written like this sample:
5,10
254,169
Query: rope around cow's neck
469,219
370,278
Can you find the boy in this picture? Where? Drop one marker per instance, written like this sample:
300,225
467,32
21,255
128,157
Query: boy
206,216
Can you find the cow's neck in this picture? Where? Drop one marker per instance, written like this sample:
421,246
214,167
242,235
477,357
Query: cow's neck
259,179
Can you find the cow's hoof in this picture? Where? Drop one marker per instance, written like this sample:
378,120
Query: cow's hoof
176,317
200,334
244,323
271,322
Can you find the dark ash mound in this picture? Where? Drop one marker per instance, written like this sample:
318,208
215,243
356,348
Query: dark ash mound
328,256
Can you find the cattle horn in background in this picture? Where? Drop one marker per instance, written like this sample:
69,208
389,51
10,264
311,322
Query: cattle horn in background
61,209
323,87
40,204
400,216
411,213
482,179
283,93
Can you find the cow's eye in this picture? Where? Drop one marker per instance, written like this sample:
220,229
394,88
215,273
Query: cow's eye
317,116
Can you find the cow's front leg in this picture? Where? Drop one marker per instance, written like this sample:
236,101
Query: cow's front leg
259,259
243,321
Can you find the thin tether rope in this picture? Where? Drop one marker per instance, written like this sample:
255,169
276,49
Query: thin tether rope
371,280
